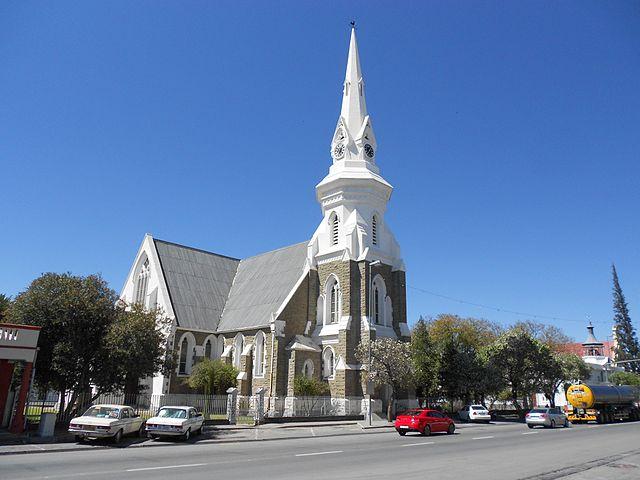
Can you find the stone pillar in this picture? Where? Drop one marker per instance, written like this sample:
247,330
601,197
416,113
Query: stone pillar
232,400
259,415
291,373
17,424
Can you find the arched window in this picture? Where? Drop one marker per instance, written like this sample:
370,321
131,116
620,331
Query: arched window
333,223
142,282
307,368
328,363
219,348
374,230
258,355
320,310
378,294
187,345
333,302
376,305
207,349
238,346
184,349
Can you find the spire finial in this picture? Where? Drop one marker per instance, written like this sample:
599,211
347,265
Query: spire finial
353,24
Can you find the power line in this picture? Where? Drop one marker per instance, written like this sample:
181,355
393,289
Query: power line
502,310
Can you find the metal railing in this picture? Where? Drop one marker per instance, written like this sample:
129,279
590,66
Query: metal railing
213,407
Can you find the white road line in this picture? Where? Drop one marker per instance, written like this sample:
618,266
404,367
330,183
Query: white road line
318,453
165,467
414,444
313,434
529,433
482,438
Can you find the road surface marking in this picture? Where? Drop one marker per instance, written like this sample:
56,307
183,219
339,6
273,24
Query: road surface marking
318,453
414,444
313,434
165,467
529,433
482,438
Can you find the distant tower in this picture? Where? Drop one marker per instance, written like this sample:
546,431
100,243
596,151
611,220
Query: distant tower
592,347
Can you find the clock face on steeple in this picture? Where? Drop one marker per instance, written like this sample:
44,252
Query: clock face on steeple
368,149
340,136
338,151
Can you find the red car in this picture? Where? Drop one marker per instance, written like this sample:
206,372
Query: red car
424,421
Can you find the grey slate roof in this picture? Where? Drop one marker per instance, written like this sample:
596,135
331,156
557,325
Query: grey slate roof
262,283
198,283
216,293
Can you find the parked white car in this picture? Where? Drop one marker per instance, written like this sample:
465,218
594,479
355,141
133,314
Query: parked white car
546,417
107,421
178,421
474,413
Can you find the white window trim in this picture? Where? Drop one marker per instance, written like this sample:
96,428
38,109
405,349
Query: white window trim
262,336
324,363
189,361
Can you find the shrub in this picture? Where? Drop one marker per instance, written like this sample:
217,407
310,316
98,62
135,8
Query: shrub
213,377
310,387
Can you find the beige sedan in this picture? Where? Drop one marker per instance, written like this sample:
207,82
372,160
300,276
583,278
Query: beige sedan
107,421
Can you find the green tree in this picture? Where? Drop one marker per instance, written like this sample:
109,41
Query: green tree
557,368
212,377
625,378
462,368
136,346
425,359
627,342
550,335
5,303
391,364
520,360
75,314
310,387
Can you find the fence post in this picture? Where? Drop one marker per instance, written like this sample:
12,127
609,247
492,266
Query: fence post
232,396
259,415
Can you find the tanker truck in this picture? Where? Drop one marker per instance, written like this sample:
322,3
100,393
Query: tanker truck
603,403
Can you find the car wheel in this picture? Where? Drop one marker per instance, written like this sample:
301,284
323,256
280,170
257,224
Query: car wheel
401,432
451,429
553,424
117,438
427,431
566,423
530,426
141,431
187,435
79,438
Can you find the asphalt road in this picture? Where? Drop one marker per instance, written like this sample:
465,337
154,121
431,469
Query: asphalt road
498,451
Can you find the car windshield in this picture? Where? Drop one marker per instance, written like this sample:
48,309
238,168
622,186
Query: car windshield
102,412
412,413
538,410
172,413
477,407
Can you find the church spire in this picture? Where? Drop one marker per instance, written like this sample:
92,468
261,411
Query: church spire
354,106
353,138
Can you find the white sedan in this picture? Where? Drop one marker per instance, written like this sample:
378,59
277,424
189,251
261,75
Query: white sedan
474,413
107,421
175,422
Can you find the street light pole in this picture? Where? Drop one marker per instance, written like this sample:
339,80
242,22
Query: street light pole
369,382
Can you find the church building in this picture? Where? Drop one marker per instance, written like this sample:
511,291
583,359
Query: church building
302,309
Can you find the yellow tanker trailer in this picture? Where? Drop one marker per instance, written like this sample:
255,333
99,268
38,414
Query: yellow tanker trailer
603,403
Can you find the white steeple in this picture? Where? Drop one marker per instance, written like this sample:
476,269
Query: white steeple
353,195
353,137
354,106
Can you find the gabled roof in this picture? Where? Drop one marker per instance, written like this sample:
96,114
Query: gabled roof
198,283
213,292
261,284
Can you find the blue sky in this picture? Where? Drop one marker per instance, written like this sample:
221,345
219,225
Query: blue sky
510,131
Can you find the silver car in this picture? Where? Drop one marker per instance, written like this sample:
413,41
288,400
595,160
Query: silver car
546,417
